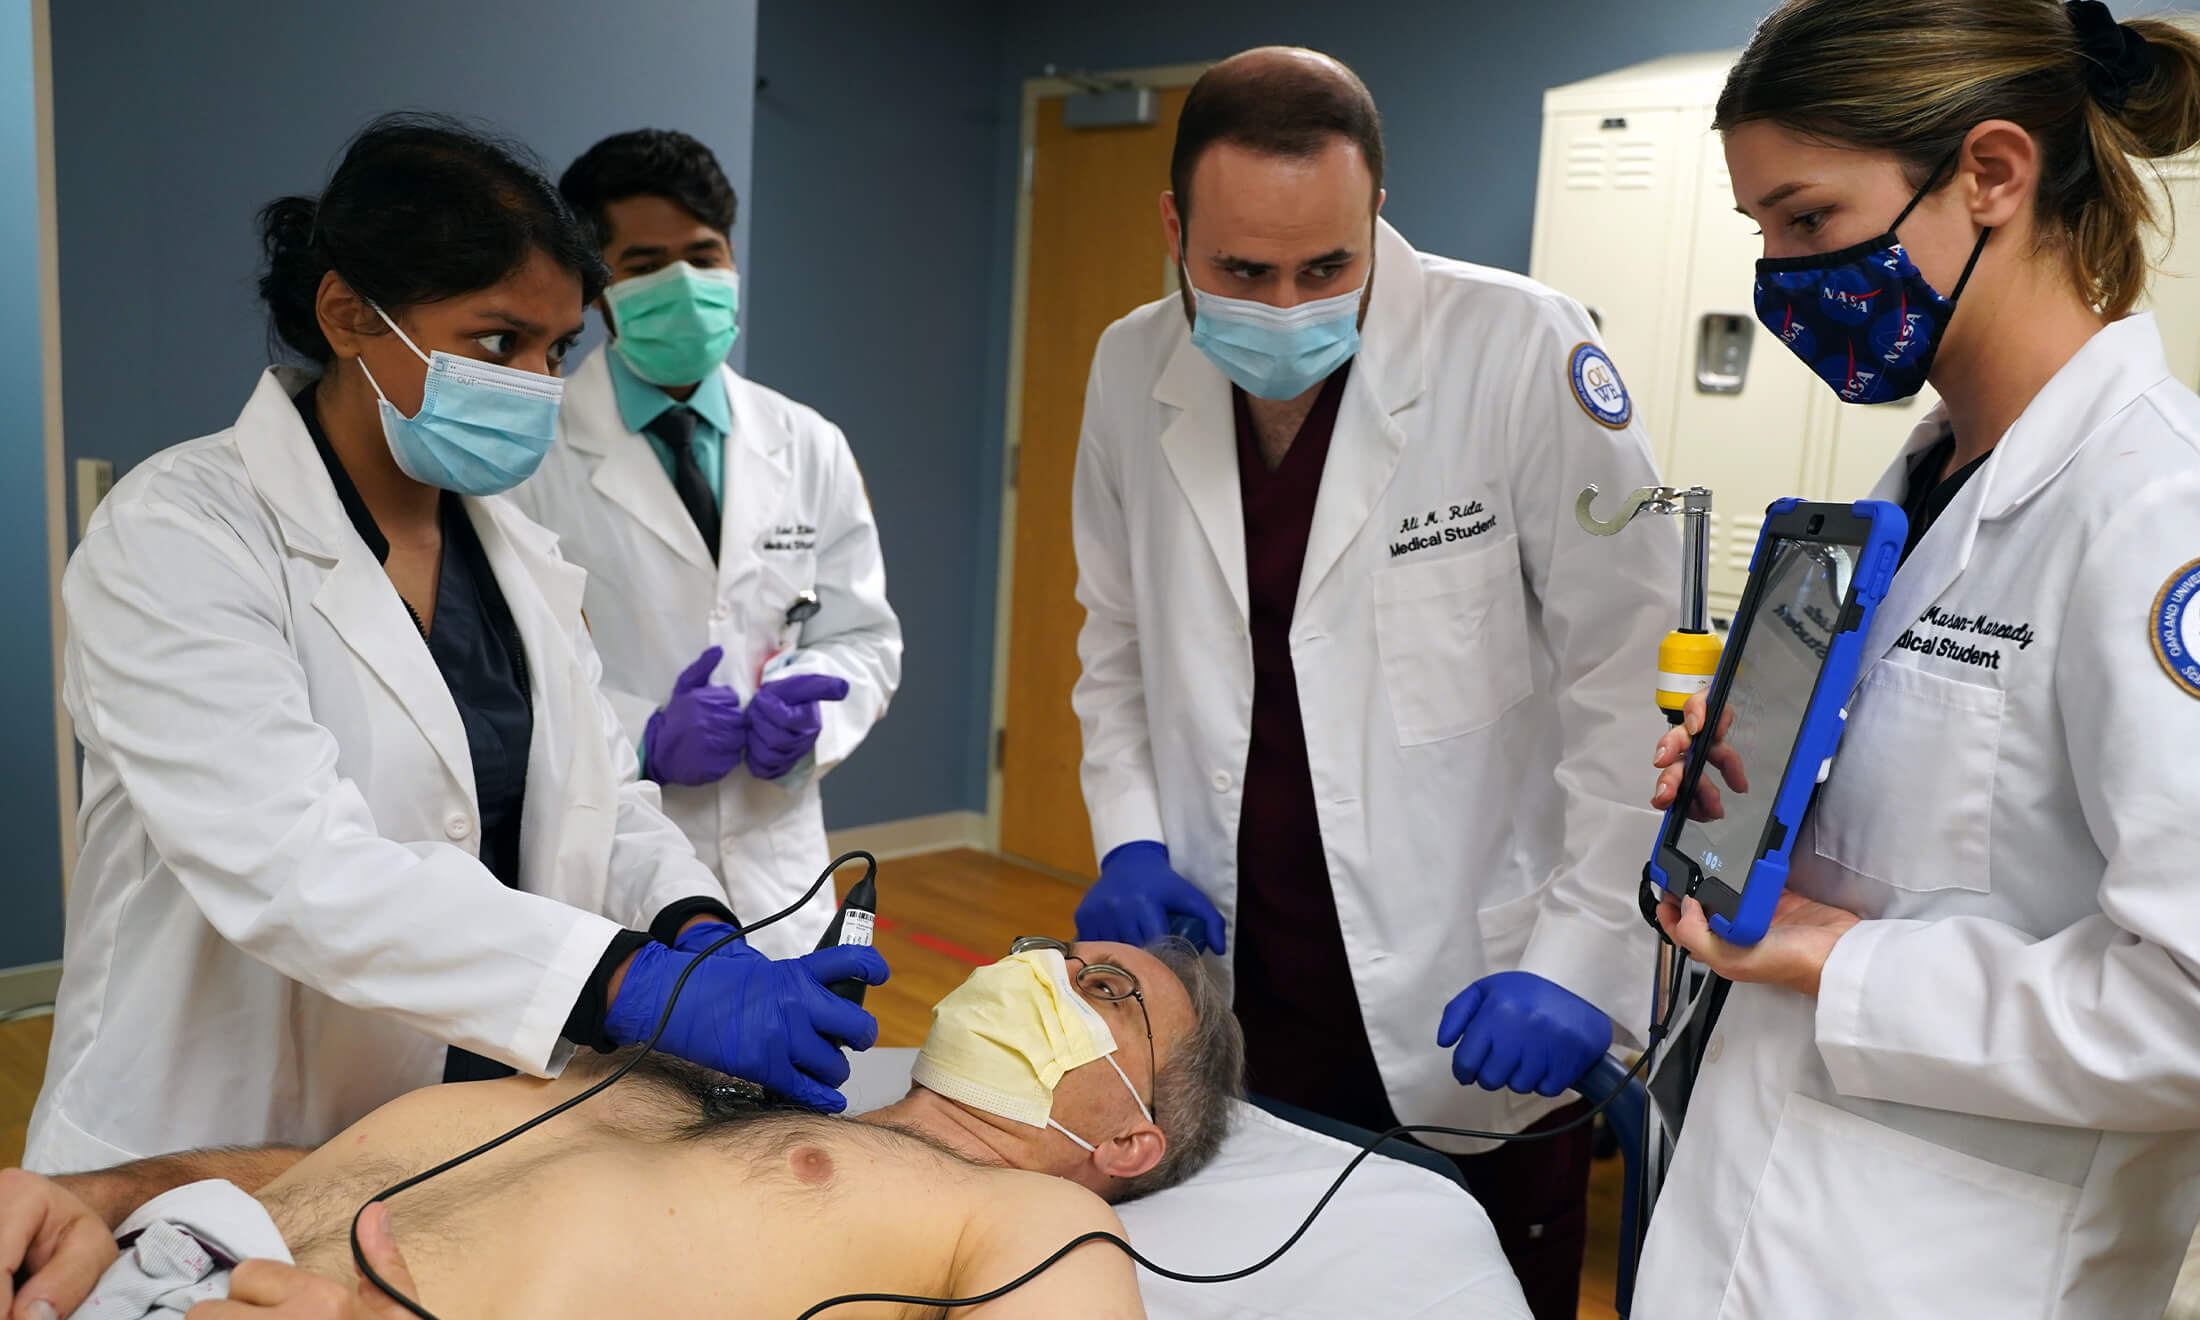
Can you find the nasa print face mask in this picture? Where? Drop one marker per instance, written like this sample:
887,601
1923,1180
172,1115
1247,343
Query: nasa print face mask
1863,318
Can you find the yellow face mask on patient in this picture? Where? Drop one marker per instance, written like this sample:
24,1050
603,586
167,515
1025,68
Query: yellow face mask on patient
1004,1039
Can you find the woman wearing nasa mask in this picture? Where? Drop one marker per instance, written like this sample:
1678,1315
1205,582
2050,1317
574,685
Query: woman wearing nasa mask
356,817
1962,1075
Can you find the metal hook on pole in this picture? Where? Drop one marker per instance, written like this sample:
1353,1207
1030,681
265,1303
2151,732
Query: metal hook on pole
1658,499
1693,506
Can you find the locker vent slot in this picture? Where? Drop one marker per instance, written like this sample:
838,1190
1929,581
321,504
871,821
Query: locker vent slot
1742,541
1637,165
1586,164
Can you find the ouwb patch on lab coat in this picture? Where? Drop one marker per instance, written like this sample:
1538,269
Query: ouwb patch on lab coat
2174,628
1597,387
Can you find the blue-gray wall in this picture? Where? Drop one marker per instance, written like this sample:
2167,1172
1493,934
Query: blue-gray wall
877,237
30,885
1460,82
175,122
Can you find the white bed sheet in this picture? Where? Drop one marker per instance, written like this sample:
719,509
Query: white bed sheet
1398,1242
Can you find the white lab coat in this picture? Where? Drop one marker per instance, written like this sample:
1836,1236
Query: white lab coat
1475,709
1989,1109
796,517
277,920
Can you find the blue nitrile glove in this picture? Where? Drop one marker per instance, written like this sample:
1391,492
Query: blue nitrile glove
1517,1031
701,935
700,734
764,1020
1135,896
784,722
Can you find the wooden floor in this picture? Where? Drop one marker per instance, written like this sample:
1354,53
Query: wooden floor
942,913
22,1066
939,914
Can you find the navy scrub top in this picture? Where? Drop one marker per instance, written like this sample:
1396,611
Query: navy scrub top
478,651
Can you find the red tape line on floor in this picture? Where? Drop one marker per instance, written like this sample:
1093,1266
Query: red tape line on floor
935,943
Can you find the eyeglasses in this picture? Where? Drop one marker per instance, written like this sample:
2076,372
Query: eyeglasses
1109,983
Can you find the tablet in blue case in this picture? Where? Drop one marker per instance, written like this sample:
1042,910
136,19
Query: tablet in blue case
1779,703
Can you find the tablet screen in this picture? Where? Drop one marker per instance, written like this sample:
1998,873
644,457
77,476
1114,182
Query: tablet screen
1783,649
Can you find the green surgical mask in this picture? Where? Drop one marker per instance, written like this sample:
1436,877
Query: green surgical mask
675,326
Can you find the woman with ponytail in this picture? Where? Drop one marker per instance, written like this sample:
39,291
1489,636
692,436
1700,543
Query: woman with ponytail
1960,1077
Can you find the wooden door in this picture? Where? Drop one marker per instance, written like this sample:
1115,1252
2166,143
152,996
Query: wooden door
1096,252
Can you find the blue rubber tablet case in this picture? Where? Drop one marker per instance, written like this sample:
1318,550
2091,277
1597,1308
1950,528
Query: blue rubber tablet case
1779,702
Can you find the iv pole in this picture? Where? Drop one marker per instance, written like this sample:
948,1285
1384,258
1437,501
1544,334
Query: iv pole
1688,658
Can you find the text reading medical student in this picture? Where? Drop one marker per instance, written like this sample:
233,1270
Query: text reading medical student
735,587
1964,1080
356,817
1354,682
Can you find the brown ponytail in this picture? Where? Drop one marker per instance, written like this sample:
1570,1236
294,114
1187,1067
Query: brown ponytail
1915,76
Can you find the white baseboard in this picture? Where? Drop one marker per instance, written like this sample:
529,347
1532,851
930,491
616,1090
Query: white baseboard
28,986
907,838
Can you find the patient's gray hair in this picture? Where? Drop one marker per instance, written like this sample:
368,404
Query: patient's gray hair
1194,1092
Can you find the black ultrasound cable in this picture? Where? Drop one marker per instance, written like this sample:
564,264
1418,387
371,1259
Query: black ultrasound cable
359,1256
1657,1034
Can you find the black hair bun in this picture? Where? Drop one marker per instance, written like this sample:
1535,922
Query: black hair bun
292,282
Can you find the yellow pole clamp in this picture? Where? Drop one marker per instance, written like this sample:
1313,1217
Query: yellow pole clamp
1686,662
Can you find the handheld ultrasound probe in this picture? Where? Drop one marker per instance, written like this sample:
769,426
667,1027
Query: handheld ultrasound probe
852,924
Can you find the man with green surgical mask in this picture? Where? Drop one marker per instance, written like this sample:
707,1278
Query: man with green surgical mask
735,587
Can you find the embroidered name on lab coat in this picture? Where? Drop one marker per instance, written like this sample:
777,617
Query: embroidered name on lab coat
789,537
1446,526
1955,648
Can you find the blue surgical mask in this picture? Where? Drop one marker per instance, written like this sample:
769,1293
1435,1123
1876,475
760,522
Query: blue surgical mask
481,429
1275,352
1863,318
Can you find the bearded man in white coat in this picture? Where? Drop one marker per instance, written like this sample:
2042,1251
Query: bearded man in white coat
1357,692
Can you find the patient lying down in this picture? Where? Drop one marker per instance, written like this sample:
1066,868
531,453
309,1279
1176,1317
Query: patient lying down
679,1192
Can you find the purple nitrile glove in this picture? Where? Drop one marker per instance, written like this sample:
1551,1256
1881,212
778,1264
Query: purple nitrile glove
784,721
1137,894
765,1020
1517,1031
699,736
